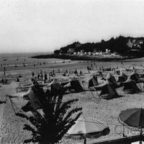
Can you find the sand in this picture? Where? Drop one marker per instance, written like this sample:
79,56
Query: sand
105,111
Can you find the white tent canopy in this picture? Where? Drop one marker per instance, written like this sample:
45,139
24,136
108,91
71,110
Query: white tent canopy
138,142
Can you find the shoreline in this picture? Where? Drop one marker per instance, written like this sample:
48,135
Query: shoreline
86,57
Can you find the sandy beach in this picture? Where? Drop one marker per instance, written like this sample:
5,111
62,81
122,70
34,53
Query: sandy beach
100,110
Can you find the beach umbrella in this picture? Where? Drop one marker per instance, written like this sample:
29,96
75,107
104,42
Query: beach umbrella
133,117
86,128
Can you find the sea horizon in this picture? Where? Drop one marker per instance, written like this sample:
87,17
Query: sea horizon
18,54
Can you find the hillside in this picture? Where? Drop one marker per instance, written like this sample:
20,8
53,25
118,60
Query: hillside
120,45
111,50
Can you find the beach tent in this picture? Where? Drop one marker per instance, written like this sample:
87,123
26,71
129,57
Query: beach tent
107,90
64,83
130,86
93,82
34,100
31,100
139,81
20,94
17,99
107,69
76,85
122,77
112,80
56,89
134,76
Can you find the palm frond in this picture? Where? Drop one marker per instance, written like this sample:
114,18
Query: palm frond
57,117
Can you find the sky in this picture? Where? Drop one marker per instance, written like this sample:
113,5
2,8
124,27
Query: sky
47,25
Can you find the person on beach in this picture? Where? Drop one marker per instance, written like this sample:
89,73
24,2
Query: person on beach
38,76
91,66
88,68
53,72
41,74
66,73
33,74
45,77
76,72
81,73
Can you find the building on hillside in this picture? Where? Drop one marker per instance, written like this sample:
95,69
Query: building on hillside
85,53
134,44
70,50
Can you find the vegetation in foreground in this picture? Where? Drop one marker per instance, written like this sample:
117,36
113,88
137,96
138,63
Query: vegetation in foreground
58,117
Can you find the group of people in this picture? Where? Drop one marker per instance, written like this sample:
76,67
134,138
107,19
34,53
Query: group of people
109,83
128,81
40,76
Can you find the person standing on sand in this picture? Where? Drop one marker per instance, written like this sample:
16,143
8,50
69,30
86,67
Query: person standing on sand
53,72
45,77
33,74
88,69
81,73
41,74
38,76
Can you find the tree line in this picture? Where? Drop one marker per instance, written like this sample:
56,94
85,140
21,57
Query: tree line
118,45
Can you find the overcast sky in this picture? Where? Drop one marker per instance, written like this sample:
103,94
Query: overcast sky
46,25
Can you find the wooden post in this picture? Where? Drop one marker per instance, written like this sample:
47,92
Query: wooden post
140,136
